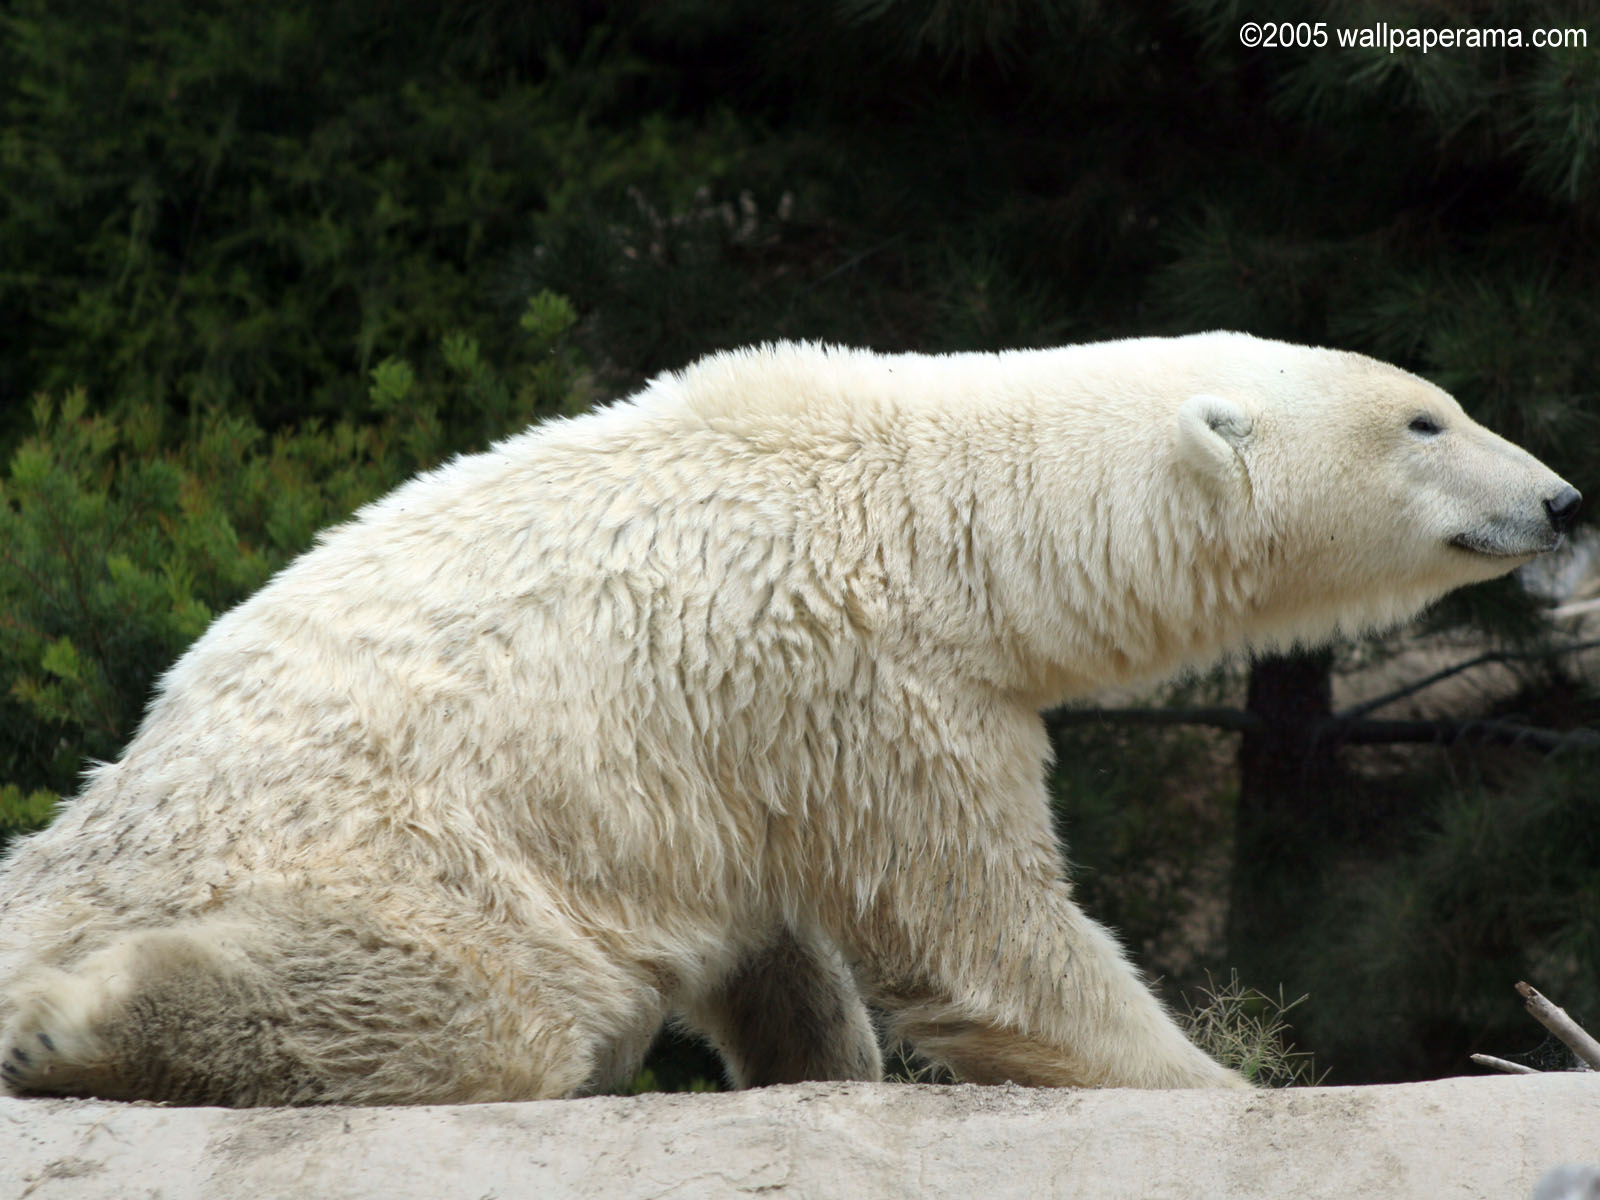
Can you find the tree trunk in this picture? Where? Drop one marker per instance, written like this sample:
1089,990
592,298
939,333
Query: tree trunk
1287,783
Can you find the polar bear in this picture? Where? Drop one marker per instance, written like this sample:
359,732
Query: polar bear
722,702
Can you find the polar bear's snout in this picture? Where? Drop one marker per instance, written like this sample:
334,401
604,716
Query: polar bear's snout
1523,530
1562,507
1501,502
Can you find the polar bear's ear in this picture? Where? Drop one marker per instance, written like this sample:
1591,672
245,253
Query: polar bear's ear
1212,431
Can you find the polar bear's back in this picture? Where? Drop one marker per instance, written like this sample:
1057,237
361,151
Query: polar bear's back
579,623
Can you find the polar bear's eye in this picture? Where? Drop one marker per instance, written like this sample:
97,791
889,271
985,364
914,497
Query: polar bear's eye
1425,425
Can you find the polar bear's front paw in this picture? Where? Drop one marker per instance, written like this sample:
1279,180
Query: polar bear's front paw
51,1043
28,1061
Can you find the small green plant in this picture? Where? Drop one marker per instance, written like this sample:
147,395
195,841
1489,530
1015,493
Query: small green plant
648,1081
902,1065
1248,1030
24,812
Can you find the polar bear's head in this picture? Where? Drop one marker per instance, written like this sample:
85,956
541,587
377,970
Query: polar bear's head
1370,489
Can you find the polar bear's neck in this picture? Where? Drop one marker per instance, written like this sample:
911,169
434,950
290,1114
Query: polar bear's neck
1024,533
1055,570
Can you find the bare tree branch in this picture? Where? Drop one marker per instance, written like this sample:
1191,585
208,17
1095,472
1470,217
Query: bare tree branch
1500,1064
1577,608
1427,681
1344,730
1564,1027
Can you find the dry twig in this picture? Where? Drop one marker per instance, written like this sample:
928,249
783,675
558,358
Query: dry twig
1500,1064
1564,1027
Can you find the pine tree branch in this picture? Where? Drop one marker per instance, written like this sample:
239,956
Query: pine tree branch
1448,732
1427,681
855,260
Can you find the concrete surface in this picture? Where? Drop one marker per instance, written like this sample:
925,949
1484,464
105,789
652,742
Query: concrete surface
1479,1137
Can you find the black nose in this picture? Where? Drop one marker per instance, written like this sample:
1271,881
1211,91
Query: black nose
1562,507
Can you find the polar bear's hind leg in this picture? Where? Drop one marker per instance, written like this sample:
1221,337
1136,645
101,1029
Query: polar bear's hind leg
789,1012
155,1015
284,1008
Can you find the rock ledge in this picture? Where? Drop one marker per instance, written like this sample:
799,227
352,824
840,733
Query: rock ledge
1479,1137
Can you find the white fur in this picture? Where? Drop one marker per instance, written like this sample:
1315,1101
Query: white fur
666,708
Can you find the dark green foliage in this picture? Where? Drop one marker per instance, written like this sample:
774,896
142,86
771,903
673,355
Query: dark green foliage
120,541
1493,885
1146,830
24,812
86,540
252,205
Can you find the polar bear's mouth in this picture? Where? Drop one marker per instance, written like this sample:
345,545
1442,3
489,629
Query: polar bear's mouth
1490,548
